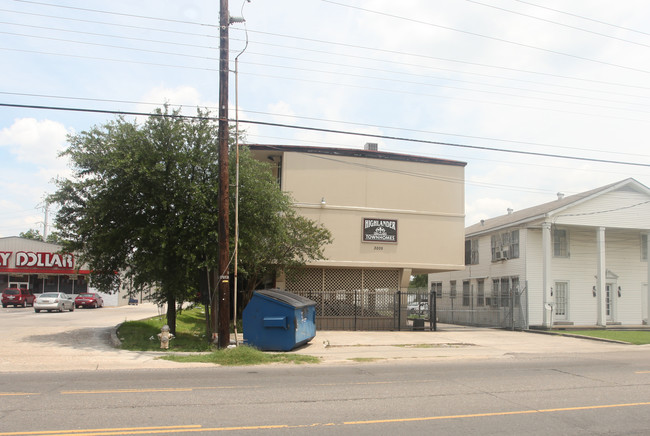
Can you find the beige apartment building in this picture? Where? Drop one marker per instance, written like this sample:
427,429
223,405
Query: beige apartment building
391,216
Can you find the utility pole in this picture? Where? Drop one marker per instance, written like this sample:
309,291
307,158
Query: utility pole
223,285
45,218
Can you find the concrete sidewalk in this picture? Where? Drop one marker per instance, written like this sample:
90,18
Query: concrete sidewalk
81,341
450,341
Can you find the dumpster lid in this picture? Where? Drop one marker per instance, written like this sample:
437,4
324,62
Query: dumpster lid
297,301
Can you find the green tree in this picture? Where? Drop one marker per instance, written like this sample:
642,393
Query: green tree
419,281
143,201
31,234
52,238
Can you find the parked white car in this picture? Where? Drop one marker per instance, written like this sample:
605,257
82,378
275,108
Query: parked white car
53,301
418,307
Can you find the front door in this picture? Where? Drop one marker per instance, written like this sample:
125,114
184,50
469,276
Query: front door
609,301
561,300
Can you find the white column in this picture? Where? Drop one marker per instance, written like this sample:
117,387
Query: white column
647,256
547,308
601,302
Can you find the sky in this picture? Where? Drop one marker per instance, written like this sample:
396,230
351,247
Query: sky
536,96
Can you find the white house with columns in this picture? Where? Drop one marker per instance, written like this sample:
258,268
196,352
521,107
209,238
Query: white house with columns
582,259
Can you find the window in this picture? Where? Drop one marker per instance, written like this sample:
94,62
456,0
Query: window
480,293
560,243
466,296
452,289
495,292
505,245
514,285
471,252
505,292
644,247
436,287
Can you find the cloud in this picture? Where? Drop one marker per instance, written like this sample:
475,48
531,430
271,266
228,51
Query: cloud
35,142
32,147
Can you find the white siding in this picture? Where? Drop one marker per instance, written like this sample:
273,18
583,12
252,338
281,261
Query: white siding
623,208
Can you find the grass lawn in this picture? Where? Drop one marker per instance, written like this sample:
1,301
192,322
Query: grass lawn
190,337
633,337
241,356
143,335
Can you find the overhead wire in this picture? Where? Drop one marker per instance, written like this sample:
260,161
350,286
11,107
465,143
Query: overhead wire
393,72
350,123
185,22
413,20
583,17
343,132
558,23
294,37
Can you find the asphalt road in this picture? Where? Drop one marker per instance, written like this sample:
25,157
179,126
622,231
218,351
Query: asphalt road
504,383
582,395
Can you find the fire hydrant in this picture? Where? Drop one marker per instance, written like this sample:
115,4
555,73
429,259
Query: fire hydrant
165,336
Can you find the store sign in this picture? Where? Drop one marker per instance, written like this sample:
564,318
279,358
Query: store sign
4,258
26,259
379,230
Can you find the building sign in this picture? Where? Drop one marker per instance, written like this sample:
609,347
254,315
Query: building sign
44,260
4,258
36,262
379,230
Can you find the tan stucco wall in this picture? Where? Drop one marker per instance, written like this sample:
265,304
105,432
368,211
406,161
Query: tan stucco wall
426,199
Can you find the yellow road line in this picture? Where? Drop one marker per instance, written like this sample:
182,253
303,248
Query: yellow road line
122,391
10,394
480,415
102,430
198,428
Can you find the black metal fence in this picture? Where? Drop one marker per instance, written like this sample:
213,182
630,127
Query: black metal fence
374,310
509,309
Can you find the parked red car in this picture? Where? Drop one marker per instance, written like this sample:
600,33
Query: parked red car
17,297
88,300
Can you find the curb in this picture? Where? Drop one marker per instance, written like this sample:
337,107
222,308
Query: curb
570,335
115,341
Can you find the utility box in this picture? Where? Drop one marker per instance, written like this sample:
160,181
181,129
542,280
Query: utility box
277,320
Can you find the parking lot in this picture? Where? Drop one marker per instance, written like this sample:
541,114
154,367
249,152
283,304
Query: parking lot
76,340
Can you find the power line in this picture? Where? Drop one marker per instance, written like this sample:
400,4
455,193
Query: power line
583,17
559,24
449,144
351,123
342,132
421,56
275,56
298,38
324,42
120,14
490,37
500,103
96,44
288,141
105,23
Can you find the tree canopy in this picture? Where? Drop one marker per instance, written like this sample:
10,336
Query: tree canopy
35,234
142,207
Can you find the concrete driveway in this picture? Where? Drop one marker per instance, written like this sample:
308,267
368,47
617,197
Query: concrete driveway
70,341
80,340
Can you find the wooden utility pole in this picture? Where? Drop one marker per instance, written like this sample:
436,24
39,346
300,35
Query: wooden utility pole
223,284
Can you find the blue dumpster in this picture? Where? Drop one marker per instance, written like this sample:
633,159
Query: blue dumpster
278,320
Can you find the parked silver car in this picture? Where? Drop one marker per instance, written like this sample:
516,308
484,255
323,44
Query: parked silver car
53,301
